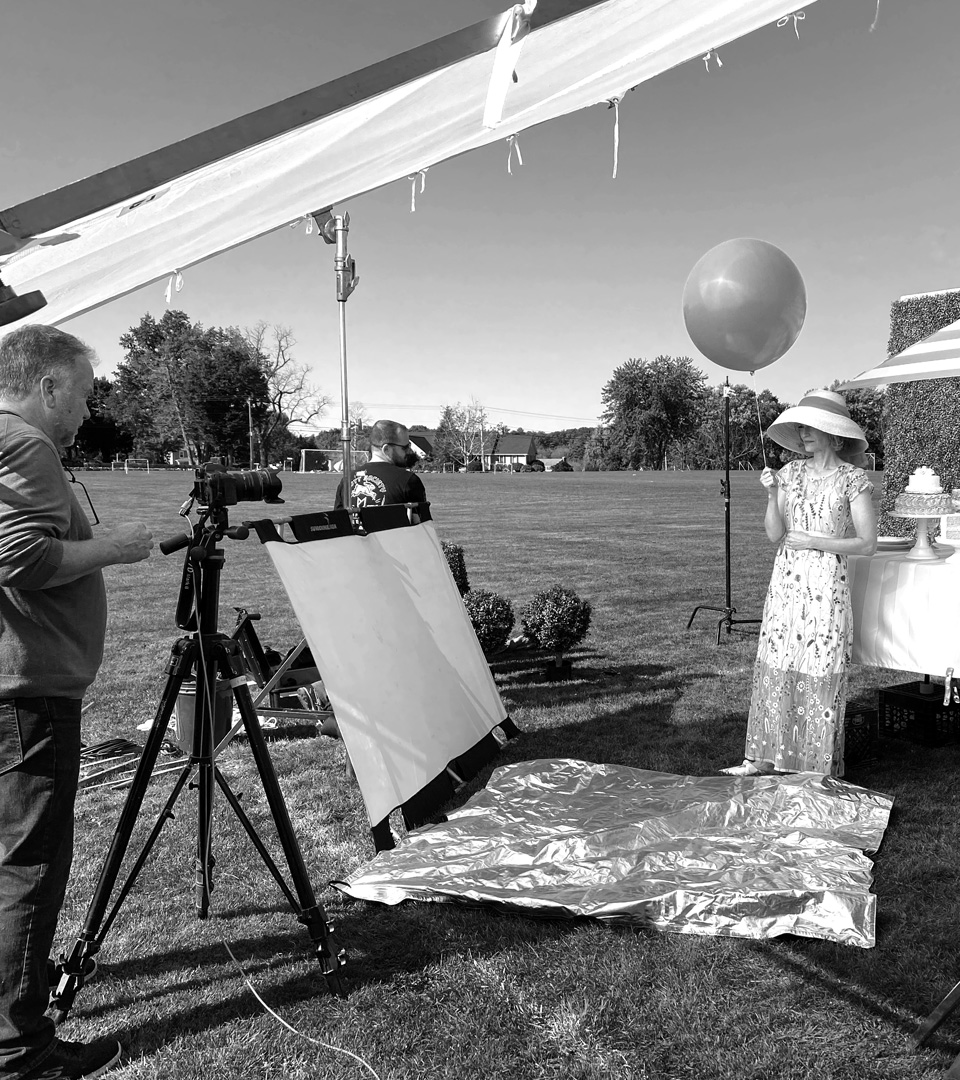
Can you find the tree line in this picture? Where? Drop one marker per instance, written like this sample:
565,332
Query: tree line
194,393
661,414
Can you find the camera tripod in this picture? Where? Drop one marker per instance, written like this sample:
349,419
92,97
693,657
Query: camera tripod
216,659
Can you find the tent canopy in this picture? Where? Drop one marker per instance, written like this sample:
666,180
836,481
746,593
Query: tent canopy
935,357
100,238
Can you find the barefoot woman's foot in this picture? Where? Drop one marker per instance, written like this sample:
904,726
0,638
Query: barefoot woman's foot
750,768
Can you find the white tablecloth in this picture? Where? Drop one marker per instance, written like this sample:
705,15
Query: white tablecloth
906,613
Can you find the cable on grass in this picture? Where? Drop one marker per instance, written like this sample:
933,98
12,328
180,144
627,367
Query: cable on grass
290,1027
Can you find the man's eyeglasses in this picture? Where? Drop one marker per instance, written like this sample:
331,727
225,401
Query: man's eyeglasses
74,480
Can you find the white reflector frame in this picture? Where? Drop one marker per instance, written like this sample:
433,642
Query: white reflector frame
401,664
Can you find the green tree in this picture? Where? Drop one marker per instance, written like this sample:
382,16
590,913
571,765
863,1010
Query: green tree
866,408
705,447
182,387
101,438
648,406
147,396
222,377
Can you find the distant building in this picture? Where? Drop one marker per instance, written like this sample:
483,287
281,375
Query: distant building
510,450
499,451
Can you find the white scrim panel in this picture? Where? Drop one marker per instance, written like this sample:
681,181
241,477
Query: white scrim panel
400,661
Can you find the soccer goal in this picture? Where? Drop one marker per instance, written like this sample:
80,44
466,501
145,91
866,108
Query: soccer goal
330,460
448,466
131,464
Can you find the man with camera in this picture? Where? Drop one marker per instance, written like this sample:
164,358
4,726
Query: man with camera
386,477
52,625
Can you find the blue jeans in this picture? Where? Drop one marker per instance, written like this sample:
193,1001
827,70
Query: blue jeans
39,773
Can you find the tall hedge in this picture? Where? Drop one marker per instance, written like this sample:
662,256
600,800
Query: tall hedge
921,420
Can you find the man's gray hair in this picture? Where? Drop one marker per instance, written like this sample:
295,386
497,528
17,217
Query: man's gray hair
30,352
387,431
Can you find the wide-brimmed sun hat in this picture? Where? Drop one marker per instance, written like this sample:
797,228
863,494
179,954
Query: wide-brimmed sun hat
824,410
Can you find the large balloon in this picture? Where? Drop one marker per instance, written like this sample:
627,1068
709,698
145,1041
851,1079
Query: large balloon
743,304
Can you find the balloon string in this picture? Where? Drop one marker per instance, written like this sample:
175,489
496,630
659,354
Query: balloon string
756,398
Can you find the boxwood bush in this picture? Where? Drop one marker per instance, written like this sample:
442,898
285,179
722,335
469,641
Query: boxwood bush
458,566
492,618
556,619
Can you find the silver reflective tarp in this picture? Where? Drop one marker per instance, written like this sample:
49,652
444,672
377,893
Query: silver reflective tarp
752,857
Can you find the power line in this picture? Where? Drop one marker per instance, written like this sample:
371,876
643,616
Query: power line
592,420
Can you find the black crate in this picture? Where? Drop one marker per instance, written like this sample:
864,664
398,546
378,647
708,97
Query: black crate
905,713
860,734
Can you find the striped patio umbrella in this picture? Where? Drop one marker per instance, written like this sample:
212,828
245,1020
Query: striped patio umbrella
935,357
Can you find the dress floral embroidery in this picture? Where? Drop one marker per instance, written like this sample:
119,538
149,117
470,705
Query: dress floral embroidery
806,636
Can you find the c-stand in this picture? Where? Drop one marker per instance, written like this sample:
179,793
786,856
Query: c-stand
216,660
727,619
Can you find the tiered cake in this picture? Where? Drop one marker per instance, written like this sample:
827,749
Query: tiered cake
924,496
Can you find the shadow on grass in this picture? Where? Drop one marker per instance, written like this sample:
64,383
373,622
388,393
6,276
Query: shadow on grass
383,943
523,678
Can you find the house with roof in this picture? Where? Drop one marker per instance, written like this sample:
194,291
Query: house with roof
510,450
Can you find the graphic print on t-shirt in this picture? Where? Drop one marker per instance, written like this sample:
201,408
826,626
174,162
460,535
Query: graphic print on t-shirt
368,490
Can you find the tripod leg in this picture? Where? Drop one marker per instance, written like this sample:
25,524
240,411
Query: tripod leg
91,937
946,1007
205,861
311,914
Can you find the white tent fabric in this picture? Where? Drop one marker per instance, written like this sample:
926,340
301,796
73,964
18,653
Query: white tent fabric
409,684
586,58
935,357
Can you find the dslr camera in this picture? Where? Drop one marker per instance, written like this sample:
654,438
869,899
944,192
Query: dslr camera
217,486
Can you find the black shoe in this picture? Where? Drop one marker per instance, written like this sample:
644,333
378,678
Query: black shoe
74,1060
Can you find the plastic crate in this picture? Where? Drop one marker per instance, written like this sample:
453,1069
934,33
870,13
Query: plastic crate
905,713
860,734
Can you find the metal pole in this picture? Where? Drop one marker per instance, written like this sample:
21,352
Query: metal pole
345,411
334,230
250,428
726,488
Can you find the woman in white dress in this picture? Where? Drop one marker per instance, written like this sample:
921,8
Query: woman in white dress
819,510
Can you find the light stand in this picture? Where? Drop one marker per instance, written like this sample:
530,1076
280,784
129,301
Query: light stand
217,662
334,230
727,620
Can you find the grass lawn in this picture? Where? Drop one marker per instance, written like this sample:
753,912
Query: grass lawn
439,991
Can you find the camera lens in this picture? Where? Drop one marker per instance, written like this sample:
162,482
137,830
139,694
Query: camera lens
258,485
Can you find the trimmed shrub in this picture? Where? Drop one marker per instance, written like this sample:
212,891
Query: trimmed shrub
919,418
492,618
453,553
474,466
556,619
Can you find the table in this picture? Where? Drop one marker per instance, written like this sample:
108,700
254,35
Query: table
906,613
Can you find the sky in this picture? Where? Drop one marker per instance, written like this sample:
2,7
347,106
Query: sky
524,291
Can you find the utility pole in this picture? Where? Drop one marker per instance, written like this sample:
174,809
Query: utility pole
250,428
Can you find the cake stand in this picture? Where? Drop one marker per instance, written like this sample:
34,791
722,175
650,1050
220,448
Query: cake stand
922,548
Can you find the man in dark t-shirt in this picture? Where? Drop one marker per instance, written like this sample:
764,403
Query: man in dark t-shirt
386,478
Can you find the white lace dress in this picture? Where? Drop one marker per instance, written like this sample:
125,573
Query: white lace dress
806,637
